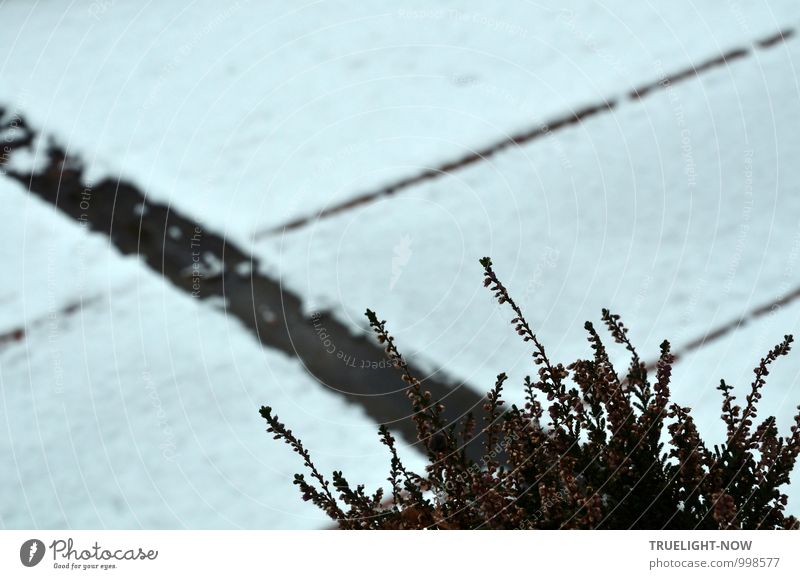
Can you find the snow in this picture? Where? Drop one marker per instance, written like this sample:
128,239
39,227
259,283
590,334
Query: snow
140,408
246,115
129,404
50,263
677,212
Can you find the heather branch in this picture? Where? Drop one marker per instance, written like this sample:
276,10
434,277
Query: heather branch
398,469
618,476
549,372
325,500
493,426
761,371
427,413
637,374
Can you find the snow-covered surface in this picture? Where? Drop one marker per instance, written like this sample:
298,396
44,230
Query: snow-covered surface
679,212
247,114
49,263
137,407
140,409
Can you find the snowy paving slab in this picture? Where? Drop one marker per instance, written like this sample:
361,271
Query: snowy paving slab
49,263
246,115
678,211
140,407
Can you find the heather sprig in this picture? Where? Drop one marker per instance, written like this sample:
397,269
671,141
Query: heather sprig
427,412
323,499
590,449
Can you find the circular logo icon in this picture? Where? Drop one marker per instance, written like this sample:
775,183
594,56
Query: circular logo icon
31,553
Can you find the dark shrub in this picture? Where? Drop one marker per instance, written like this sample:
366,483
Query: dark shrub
590,449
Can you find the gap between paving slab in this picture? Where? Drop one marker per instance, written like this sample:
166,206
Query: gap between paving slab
207,266
536,132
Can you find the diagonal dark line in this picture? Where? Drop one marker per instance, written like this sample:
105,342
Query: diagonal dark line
533,133
431,174
164,240
18,334
189,257
719,332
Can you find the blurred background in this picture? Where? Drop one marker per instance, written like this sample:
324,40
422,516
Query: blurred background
199,200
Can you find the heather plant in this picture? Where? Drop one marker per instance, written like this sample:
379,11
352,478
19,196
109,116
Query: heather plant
589,449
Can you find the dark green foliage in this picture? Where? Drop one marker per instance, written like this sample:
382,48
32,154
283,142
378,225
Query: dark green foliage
590,449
